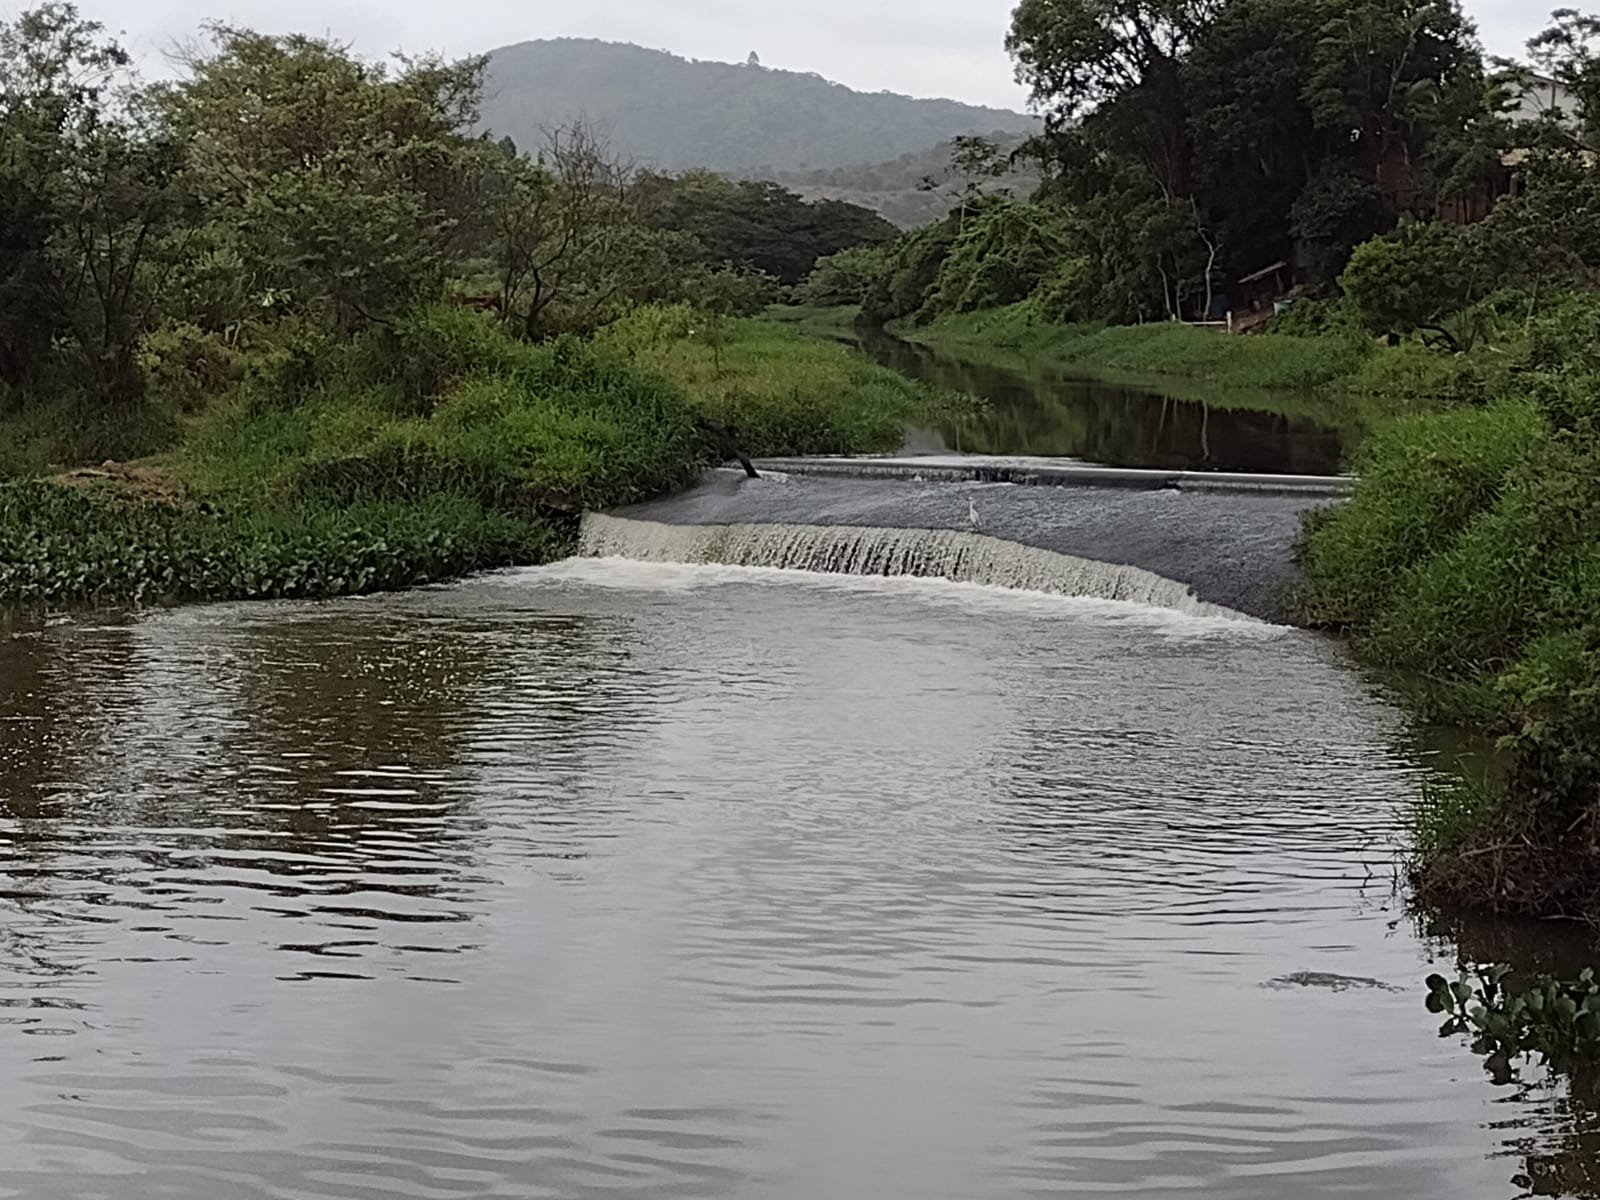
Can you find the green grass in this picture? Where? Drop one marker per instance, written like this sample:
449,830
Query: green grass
1450,813
837,321
1368,381
42,437
1420,481
785,392
1467,559
418,452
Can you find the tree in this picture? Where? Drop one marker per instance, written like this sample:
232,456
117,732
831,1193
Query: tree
843,278
1566,51
1256,145
1001,257
1415,278
757,225
355,185
87,187
1381,71
561,230
975,161
1114,56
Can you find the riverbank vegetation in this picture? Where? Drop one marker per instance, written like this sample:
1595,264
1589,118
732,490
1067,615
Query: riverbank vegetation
349,345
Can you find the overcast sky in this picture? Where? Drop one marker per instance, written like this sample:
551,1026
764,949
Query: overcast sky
919,47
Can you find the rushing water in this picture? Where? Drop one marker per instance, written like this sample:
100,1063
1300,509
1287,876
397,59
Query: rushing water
616,879
1055,413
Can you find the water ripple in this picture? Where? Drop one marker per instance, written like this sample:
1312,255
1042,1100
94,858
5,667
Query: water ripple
573,885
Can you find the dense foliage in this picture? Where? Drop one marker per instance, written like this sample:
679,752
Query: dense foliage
1468,558
758,226
360,336
1557,1020
672,114
1190,147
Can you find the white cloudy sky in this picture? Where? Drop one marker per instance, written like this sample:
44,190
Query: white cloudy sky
920,47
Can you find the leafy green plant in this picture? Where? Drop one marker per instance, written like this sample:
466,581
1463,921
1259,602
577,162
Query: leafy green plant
1557,1020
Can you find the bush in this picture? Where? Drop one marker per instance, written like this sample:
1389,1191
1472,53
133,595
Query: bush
1414,278
1468,556
446,401
910,274
1420,482
784,392
184,366
1004,252
60,545
843,278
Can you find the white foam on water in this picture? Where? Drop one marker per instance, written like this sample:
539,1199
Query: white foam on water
940,566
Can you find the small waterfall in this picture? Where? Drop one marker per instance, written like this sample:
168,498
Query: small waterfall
955,555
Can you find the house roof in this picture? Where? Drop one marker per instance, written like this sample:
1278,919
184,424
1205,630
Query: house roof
1264,272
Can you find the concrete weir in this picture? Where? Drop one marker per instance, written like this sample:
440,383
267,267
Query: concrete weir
1201,543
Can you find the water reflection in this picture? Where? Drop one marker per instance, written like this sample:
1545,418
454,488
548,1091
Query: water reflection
1037,411
643,880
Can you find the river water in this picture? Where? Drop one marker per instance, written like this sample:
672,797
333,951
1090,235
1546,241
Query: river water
613,879
1037,410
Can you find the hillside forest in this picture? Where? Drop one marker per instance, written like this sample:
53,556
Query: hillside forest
745,120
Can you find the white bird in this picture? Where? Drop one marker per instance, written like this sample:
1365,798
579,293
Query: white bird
972,513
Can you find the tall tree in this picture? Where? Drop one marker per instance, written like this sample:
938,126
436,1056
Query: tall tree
1121,57
354,184
87,188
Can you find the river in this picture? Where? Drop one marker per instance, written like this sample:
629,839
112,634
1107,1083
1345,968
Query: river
612,879
1037,410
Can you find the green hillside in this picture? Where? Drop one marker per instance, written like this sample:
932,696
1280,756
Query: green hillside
674,114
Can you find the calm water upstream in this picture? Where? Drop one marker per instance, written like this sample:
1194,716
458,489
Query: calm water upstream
624,880
1047,412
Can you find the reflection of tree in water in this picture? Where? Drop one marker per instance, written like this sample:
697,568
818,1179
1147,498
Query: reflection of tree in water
365,721
329,760
299,732
1056,414
345,708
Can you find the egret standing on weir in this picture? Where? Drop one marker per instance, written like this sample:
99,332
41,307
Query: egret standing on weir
972,514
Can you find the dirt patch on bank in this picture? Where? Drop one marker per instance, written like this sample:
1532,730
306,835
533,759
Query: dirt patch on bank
143,484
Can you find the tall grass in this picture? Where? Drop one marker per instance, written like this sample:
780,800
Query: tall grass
786,393
1420,481
1469,555
1373,379
1158,348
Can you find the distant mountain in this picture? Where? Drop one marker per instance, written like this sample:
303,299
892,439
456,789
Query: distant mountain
896,190
744,120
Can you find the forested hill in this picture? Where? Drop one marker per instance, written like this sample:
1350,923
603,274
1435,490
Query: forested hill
674,114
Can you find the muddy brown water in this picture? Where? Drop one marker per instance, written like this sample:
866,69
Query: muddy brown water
615,879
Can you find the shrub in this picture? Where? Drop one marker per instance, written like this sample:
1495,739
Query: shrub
1420,482
1414,278
60,544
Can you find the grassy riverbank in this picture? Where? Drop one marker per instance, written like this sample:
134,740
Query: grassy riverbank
1370,378
421,451
1468,561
